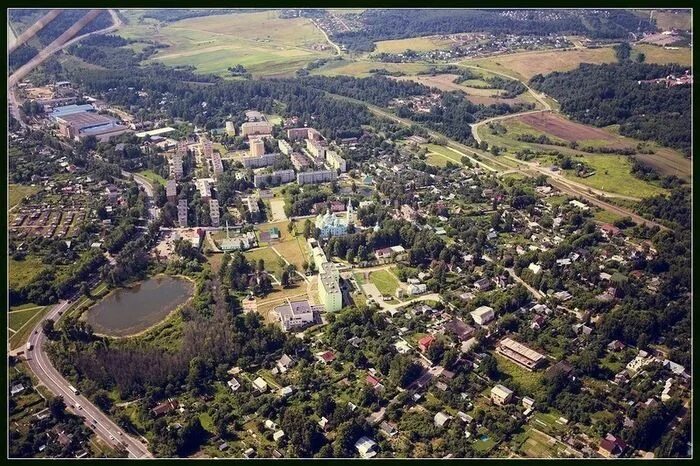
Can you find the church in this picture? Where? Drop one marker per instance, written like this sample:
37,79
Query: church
332,224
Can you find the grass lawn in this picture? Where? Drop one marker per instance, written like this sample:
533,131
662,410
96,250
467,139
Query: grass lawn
271,259
15,320
662,56
153,177
483,446
533,444
613,174
606,216
385,282
17,192
436,160
529,381
207,422
21,273
20,338
445,152
295,251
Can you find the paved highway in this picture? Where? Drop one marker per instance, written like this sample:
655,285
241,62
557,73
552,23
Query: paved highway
99,422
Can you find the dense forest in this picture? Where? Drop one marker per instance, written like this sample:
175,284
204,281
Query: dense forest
603,95
398,24
176,14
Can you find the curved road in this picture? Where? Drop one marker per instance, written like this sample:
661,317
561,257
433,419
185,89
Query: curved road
40,364
99,422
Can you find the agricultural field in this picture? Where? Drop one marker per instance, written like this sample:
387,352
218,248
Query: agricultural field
263,43
560,130
667,20
417,44
525,65
567,130
662,56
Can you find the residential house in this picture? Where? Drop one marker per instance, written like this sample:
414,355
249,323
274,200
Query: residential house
366,447
501,395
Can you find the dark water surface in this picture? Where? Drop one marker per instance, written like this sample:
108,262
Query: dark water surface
130,310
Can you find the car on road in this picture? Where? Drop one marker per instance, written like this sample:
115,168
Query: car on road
111,437
78,406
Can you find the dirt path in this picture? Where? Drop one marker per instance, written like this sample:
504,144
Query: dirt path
336,46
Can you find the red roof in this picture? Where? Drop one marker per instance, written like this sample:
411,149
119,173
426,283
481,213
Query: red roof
426,341
328,356
373,381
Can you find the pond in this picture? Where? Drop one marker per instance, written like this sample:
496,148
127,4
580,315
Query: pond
127,311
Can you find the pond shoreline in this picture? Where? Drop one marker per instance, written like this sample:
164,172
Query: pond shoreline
139,332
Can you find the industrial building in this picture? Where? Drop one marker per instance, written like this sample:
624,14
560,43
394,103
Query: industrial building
315,177
70,110
520,354
82,124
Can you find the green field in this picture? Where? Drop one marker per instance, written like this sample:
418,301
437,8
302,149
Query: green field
606,216
17,192
271,260
263,43
613,175
417,44
445,152
153,177
22,332
661,55
21,273
385,282
528,380
16,319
